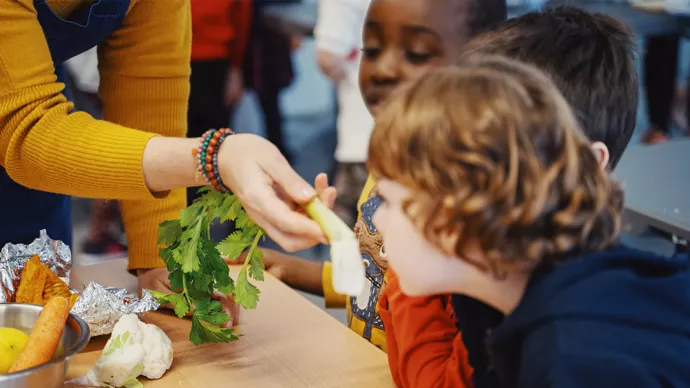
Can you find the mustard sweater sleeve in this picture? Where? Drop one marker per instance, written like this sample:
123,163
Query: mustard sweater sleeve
144,85
42,145
145,69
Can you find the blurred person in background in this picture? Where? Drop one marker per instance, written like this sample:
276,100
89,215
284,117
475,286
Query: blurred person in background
338,41
666,104
220,34
268,70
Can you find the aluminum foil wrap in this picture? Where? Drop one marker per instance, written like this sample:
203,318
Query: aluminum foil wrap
101,307
54,254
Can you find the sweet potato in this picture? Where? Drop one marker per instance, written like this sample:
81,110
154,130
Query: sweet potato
33,281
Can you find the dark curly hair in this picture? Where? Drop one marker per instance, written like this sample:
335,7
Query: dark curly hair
589,56
492,152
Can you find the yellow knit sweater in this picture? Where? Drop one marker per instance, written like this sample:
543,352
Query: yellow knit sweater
144,69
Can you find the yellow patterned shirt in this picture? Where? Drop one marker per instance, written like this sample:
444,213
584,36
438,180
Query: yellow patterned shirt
363,313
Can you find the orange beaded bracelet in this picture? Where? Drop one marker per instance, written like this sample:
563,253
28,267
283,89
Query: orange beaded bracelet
206,155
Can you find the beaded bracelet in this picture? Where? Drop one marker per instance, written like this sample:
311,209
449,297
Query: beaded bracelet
206,155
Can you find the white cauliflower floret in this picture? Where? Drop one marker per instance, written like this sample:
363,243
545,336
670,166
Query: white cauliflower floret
129,323
159,351
121,362
134,349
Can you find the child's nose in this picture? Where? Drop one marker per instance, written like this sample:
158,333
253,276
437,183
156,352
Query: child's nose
387,68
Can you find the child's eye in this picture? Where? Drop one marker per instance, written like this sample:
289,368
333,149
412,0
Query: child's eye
371,52
417,58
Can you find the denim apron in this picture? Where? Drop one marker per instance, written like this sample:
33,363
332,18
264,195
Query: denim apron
24,212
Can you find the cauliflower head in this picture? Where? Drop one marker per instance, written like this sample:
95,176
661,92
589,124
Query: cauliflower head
134,349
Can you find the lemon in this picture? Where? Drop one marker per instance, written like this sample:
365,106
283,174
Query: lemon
12,341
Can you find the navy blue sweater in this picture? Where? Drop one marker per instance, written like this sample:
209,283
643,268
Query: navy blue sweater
617,318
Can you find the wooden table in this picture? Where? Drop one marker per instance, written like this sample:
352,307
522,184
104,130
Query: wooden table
287,342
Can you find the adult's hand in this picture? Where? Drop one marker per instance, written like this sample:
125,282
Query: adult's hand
157,280
271,192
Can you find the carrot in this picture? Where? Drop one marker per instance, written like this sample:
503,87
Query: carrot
45,336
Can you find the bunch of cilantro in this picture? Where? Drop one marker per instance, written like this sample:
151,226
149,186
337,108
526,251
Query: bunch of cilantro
197,267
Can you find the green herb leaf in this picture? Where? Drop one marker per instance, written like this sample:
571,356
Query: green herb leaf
211,312
204,189
178,301
203,333
197,268
176,280
234,245
256,265
245,293
169,232
189,257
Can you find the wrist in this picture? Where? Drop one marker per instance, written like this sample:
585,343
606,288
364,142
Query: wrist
168,163
304,275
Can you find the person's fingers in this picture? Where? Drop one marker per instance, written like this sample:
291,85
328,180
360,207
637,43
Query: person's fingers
230,307
237,261
277,271
321,183
326,193
329,196
165,284
291,242
280,171
275,215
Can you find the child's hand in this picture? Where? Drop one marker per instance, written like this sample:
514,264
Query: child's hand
157,280
326,193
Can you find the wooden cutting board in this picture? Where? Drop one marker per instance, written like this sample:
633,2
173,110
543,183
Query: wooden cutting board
287,342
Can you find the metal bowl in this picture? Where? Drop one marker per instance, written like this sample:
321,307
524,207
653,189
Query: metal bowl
52,374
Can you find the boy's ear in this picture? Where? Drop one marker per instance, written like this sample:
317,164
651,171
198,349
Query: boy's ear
601,152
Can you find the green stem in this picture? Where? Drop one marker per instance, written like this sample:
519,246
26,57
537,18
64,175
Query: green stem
185,292
252,248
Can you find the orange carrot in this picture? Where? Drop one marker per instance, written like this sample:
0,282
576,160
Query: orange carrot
45,336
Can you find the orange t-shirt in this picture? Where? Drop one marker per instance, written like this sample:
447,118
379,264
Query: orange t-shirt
425,348
220,29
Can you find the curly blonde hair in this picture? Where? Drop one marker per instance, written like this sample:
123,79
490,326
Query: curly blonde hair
492,152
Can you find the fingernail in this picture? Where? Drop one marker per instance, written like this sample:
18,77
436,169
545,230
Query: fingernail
308,193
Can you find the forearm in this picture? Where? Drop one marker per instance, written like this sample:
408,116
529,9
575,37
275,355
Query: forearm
304,275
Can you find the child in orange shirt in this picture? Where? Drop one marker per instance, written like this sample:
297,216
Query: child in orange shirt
599,47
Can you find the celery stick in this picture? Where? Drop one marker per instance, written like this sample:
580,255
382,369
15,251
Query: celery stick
346,259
